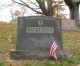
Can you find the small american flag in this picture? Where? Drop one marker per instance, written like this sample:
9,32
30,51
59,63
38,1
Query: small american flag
53,49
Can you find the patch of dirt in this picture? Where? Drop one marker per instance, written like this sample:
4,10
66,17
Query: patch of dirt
78,65
5,57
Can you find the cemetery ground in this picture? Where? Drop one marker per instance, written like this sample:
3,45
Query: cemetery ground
71,43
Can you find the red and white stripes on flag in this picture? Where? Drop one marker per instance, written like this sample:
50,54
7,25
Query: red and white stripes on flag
53,49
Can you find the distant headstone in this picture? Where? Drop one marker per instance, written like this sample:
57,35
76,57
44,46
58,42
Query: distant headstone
68,24
34,36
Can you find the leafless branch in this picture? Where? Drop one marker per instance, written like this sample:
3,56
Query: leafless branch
25,4
11,13
42,6
33,3
58,4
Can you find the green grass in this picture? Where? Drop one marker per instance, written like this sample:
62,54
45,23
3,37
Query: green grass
7,36
1,63
71,42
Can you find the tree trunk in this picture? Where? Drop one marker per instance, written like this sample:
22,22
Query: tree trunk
74,12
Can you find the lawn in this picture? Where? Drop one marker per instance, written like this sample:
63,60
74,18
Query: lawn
7,36
71,42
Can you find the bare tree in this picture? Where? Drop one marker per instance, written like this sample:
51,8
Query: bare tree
44,7
5,5
17,12
74,9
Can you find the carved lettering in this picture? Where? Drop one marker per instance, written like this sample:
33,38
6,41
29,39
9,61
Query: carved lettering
39,29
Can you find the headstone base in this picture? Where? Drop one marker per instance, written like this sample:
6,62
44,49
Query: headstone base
28,55
36,55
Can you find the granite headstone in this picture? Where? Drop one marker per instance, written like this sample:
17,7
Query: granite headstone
34,36
68,24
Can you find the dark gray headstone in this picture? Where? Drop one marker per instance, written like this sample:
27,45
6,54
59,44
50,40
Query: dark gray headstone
34,36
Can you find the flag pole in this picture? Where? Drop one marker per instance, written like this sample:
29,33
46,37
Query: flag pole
54,46
61,52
